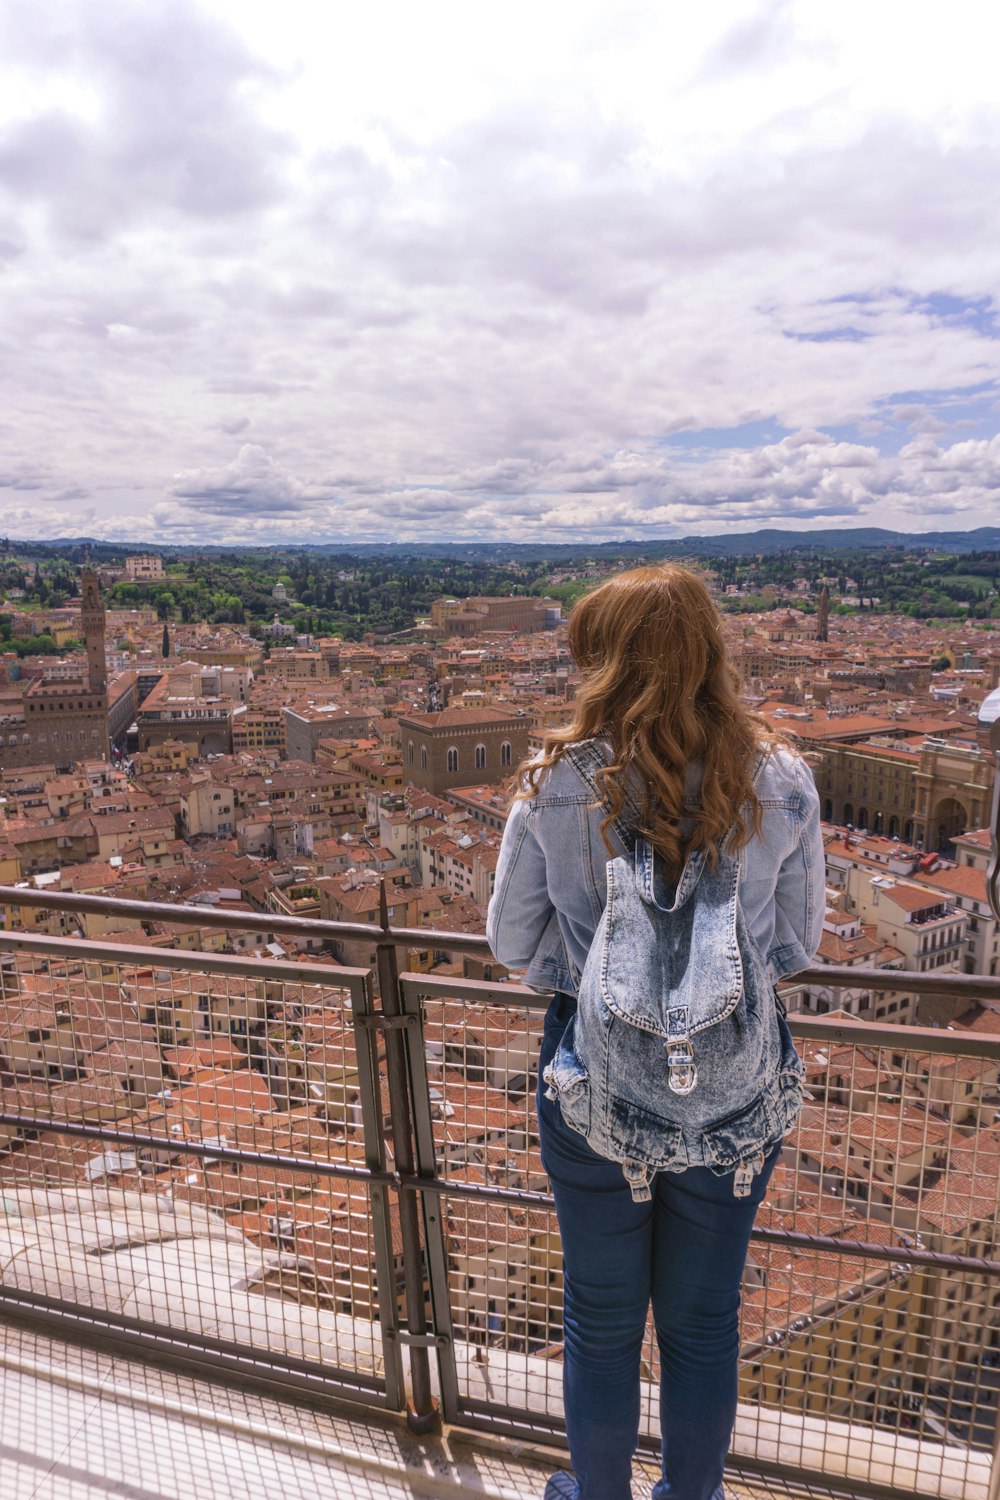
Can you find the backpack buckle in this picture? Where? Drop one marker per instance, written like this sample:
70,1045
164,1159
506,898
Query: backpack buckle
682,1076
637,1175
745,1174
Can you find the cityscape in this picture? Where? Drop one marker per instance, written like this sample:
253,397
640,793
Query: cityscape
246,774
344,351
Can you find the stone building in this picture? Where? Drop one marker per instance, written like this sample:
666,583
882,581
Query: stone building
521,614
144,567
177,710
291,663
462,746
57,723
308,724
923,791
258,729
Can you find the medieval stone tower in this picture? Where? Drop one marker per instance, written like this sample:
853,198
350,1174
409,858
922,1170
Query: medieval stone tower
92,620
823,615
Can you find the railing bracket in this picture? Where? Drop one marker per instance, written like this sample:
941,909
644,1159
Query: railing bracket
419,1340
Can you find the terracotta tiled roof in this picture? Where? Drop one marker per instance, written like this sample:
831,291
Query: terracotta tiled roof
911,897
462,718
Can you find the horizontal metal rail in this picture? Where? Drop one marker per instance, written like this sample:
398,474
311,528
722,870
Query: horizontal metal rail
819,1028
943,1040
273,1372
941,982
910,1254
331,975
318,1166
179,1146
211,916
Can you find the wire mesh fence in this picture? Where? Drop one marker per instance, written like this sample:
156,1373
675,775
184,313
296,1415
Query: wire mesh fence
870,1314
186,1144
198,1145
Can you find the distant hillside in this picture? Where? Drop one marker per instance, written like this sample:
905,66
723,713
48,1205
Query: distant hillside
728,544
743,544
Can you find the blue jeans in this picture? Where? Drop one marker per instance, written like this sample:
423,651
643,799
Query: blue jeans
685,1250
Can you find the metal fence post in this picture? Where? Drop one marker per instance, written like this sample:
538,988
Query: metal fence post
435,1207
423,1414
366,1047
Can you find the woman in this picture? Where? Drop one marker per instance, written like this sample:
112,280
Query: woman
660,697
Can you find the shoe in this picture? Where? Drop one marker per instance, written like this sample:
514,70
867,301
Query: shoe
562,1486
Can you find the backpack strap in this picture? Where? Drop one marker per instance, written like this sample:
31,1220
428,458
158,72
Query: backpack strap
587,757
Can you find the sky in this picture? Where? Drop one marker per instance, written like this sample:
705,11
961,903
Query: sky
397,271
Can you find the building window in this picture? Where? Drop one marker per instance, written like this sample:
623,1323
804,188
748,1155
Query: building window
409,752
423,757
480,757
505,753
452,759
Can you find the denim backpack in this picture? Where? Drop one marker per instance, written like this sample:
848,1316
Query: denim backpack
676,1056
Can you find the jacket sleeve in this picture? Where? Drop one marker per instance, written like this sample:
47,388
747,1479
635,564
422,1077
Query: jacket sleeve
520,909
800,892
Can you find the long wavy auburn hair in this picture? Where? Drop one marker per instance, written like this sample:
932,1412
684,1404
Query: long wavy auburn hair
659,686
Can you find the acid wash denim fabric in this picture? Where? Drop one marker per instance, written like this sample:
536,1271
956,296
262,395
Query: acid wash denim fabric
684,1250
551,882
674,1058
685,1247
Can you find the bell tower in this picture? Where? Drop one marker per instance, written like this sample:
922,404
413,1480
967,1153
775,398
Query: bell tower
92,620
823,615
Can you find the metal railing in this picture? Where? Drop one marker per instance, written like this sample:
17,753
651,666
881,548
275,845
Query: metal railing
330,1179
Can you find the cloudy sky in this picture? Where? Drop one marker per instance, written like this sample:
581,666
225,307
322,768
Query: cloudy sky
395,271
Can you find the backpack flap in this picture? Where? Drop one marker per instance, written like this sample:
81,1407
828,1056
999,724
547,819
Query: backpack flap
686,949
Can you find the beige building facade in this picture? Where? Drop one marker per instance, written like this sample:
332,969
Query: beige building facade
144,567
923,792
521,614
462,746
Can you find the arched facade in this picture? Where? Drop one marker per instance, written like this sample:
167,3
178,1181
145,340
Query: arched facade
950,817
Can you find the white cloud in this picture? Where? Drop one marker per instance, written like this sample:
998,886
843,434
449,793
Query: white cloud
251,485
470,279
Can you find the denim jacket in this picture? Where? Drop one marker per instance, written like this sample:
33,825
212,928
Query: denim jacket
551,875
